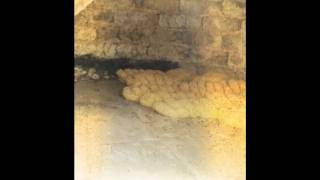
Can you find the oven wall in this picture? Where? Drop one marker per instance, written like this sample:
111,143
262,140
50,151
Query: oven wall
209,33
79,5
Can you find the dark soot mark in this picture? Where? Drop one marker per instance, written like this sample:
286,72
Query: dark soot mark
112,65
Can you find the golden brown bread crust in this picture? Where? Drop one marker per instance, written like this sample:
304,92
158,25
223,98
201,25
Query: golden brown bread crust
180,93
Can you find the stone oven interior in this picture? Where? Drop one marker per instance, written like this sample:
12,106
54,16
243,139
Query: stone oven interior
160,89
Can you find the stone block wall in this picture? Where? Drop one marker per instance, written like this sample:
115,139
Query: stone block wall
79,5
209,33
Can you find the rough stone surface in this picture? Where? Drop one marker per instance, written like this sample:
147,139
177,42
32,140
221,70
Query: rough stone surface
234,8
180,30
79,5
232,42
193,7
163,6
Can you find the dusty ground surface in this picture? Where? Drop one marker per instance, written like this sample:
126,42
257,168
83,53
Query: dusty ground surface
116,139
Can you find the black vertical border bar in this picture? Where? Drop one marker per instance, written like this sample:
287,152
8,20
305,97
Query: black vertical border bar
62,54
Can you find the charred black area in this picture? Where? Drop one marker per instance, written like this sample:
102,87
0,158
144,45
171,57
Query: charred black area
114,64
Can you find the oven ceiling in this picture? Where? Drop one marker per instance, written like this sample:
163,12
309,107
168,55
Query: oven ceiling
80,5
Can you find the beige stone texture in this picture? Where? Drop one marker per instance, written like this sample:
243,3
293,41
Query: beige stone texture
186,31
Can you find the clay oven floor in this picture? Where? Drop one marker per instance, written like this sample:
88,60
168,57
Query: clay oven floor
120,140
